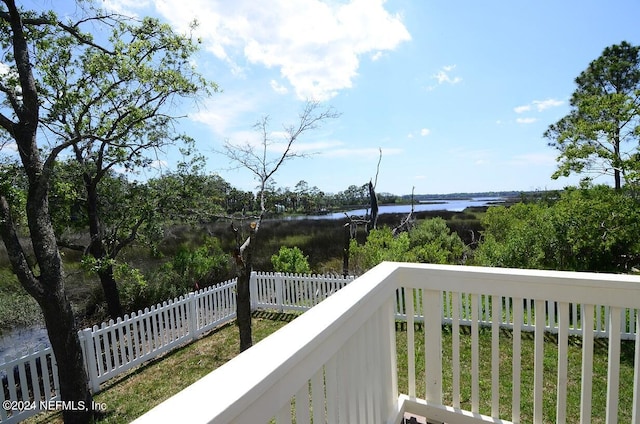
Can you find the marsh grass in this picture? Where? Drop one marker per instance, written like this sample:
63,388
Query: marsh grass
17,308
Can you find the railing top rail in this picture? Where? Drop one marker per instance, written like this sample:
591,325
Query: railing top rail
578,287
238,385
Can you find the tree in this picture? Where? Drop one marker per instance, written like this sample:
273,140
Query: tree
600,134
260,161
519,236
63,90
381,245
586,229
598,229
431,241
110,107
19,120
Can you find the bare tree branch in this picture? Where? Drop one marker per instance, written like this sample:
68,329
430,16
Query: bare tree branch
256,159
375,184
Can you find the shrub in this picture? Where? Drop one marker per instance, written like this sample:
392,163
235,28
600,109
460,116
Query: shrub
431,241
292,260
585,229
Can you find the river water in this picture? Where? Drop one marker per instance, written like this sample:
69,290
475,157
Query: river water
21,340
454,205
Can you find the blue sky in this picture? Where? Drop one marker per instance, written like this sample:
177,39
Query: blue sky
457,94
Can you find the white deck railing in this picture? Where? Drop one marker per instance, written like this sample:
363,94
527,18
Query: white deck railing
337,363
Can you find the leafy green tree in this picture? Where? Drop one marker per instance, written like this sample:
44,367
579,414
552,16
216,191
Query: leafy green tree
380,246
431,241
22,35
291,260
601,132
200,267
109,107
598,229
105,102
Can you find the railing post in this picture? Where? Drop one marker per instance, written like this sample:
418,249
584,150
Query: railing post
192,315
432,307
86,337
253,290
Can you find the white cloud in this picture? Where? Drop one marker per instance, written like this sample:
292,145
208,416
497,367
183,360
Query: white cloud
546,104
222,112
444,76
526,120
422,133
316,45
534,159
540,105
125,7
278,88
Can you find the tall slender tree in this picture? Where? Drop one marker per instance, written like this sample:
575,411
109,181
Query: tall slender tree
62,90
601,132
263,164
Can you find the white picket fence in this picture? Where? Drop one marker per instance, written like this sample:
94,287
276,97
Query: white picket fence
118,346
484,316
293,292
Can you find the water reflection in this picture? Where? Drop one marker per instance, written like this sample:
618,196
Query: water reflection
436,205
19,340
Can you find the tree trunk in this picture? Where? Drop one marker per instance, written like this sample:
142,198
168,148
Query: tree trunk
57,312
345,249
243,308
110,289
48,290
98,251
63,335
47,285
617,163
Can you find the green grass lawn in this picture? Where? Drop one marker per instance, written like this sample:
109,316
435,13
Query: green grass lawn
130,395
527,375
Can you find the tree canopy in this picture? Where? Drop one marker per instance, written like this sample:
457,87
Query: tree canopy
600,134
585,229
96,88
